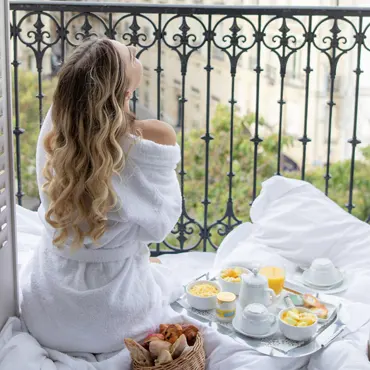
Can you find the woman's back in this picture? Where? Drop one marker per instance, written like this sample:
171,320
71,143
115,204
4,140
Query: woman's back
87,297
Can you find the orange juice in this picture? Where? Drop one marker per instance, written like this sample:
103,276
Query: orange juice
275,277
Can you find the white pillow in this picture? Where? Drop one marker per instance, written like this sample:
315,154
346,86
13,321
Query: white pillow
302,224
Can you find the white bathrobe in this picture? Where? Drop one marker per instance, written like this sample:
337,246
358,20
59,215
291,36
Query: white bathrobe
90,300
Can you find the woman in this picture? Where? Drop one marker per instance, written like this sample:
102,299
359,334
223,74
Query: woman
108,188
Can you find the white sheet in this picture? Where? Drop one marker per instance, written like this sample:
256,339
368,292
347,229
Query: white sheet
19,351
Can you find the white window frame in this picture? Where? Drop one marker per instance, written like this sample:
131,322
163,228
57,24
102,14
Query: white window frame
9,304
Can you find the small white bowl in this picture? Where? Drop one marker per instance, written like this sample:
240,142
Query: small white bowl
232,286
202,303
297,333
322,272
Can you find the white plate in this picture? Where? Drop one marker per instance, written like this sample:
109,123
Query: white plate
326,286
297,279
237,327
332,309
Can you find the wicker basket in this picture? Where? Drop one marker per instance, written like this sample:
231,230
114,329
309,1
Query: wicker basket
193,360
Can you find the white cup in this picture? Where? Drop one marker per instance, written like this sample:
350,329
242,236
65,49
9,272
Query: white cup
256,319
323,272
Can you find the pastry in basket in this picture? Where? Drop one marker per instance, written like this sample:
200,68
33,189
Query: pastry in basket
139,353
173,341
162,328
190,332
163,358
179,346
151,338
172,333
157,346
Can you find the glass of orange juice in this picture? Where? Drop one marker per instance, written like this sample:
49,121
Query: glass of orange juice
275,276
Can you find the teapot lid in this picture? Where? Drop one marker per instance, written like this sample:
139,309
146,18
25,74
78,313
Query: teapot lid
255,279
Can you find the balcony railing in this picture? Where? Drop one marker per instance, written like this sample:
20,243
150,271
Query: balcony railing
309,58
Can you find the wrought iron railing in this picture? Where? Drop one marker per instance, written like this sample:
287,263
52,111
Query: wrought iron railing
234,33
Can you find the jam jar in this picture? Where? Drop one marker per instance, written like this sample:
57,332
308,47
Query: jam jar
226,306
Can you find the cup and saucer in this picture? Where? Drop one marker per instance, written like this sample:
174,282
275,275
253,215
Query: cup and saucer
323,275
255,321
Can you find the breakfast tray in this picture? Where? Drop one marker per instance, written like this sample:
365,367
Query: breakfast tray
276,345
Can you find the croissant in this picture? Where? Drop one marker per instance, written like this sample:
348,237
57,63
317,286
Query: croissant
172,333
163,327
138,353
190,332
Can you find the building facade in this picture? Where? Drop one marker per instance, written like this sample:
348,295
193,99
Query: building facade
173,75
319,114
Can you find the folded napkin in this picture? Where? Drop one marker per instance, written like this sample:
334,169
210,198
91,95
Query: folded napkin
353,315
359,316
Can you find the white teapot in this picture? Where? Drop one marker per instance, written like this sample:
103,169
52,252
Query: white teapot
254,289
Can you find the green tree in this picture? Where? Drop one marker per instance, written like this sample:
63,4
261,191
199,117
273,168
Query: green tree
242,182
339,183
219,167
219,163
29,120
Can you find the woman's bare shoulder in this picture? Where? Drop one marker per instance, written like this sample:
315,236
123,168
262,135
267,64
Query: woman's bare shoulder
158,131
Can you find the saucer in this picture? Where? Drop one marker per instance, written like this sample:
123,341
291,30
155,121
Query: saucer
237,327
306,279
297,279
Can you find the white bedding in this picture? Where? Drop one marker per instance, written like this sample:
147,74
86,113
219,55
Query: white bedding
270,214
19,351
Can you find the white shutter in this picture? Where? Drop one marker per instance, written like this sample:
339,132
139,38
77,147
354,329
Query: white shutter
8,255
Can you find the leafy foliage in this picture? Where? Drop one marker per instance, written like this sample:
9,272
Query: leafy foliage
29,120
219,168
242,182
219,192
340,183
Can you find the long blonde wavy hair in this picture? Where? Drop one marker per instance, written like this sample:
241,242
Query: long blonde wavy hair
83,150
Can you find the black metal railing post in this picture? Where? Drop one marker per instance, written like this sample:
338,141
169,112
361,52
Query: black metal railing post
256,138
207,137
354,141
305,139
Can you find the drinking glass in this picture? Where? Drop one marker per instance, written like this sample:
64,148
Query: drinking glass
275,276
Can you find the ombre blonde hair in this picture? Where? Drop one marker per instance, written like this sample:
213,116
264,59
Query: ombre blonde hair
83,150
